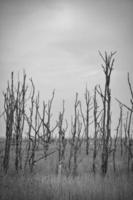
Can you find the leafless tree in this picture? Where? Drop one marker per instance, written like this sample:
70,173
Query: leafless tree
9,108
86,118
36,128
47,129
19,121
76,140
62,141
106,101
95,139
30,122
121,130
40,131
129,124
118,129
125,132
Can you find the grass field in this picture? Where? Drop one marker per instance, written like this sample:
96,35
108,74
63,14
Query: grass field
44,184
87,187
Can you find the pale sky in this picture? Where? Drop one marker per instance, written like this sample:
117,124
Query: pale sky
57,43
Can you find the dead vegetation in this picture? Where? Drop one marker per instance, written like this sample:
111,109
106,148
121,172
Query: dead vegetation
34,139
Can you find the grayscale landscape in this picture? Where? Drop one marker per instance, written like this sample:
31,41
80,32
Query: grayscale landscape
66,100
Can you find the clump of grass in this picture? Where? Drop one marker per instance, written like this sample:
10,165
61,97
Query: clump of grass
66,188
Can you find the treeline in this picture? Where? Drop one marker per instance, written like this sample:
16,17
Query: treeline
26,118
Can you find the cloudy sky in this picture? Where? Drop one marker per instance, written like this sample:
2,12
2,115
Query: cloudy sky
57,43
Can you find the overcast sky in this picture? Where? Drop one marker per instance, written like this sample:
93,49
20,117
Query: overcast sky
57,43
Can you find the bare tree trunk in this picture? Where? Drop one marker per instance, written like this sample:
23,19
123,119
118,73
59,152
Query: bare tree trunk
61,142
86,119
88,101
36,129
19,122
121,132
130,154
106,99
29,122
95,132
129,137
9,111
39,132
76,141
116,138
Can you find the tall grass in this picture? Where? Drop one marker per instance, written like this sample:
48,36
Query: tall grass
87,187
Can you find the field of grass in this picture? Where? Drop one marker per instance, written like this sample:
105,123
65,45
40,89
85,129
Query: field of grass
44,184
87,187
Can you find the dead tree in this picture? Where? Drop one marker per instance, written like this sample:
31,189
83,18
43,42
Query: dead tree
125,132
106,101
40,131
129,141
129,125
47,130
35,124
29,120
95,113
76,140
45,135
19,121
121,130
62,141
9,108
116,139
36,128
86,118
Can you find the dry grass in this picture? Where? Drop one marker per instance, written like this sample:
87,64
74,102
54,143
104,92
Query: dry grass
45,185
54,188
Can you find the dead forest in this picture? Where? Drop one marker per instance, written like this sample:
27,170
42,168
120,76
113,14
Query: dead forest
32,136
